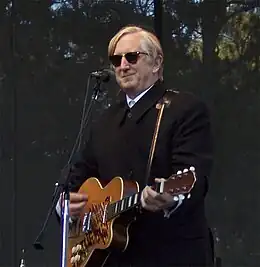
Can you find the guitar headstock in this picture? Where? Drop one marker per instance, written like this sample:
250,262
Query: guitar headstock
179,184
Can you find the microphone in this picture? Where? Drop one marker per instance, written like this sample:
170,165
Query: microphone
104,75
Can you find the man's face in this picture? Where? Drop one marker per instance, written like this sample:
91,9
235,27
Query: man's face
134,72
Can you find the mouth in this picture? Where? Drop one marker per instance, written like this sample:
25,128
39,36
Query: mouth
126,76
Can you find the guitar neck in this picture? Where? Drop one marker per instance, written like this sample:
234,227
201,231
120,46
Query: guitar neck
120,206
116,208
177,184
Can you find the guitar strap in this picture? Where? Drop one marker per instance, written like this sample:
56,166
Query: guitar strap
163,103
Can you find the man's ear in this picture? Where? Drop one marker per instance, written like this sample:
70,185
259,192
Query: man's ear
157,63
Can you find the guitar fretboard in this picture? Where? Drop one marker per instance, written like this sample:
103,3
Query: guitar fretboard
114,209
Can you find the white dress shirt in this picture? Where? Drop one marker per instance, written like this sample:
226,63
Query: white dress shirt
131,101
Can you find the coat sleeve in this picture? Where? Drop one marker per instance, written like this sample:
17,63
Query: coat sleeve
83,166
191,145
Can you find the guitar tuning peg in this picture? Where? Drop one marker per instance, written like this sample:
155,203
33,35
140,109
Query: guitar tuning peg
175,198
192,169
185,170
181,197
179,172
188,196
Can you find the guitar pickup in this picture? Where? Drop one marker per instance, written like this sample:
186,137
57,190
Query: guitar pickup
86,225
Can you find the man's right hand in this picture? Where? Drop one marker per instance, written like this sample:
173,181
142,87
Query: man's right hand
77,203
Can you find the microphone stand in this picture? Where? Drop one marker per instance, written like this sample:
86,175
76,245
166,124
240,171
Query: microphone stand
66,194
64,188
65,226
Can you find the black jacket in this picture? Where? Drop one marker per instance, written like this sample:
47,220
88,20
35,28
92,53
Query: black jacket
119,146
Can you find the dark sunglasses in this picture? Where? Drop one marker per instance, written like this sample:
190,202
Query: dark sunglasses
131,58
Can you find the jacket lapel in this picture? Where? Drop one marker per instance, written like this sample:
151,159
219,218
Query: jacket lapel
121,110
149,100
142,106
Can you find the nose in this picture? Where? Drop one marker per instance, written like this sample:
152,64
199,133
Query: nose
124,63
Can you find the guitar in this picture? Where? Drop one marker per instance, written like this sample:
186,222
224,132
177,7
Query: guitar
111,208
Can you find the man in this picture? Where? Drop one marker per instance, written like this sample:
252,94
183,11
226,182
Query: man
168,233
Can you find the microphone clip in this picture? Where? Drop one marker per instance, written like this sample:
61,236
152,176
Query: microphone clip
103,75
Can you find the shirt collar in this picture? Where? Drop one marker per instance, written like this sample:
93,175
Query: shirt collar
138,97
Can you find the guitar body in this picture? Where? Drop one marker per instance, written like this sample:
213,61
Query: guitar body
92,237
103,225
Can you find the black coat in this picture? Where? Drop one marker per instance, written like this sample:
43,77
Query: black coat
119,146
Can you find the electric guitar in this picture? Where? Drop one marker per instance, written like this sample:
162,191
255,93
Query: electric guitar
111,208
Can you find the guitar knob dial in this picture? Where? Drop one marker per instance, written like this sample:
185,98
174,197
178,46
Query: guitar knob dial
74,250
77,258
72,260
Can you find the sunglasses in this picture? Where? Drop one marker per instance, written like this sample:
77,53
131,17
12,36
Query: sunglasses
131,58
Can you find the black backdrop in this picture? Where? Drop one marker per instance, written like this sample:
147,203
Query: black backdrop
46,53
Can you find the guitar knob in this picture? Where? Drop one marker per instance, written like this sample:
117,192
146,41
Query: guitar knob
74,250
72,260
77,257
185,170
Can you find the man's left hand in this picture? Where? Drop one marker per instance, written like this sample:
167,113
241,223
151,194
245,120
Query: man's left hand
153,201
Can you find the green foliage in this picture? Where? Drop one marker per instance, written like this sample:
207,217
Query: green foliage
240,38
